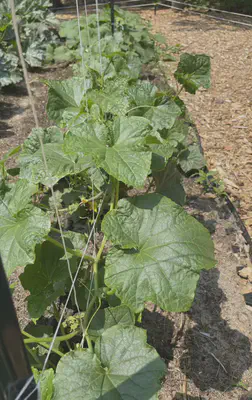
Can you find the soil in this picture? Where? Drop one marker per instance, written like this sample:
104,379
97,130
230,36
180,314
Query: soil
223,114
16,119
208,350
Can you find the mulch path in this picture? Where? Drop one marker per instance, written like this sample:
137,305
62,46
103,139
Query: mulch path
223,114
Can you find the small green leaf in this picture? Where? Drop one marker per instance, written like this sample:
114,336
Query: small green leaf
73,240
160,38
45,380
11,153
22,226
168,183
170,139
143,93
194,71
122,367
116,104
46,278
120,151
191,159
169,57
108,317
160,251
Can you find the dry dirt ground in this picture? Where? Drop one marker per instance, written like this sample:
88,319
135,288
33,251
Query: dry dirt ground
208,350
223,114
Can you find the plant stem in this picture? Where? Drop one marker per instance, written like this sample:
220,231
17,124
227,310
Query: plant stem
95,266
89,343
57,317
33,339
34,356
55,230
136,108
89,309
114,197
117,190
74,252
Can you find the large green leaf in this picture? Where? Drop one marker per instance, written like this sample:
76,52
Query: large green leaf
108,317
59,164
66,96
194,71
191,159
45,380
22,226
123,367
46,278
120,151
159,254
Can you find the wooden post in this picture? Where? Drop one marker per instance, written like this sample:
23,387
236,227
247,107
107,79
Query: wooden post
15,369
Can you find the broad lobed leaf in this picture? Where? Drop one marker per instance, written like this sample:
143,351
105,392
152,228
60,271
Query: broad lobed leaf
22,226
120,151
46,278
194,71
123,367
158,255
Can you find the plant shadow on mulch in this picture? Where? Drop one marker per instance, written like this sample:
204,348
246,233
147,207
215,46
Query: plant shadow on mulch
18,90
8,110
217,360
5,130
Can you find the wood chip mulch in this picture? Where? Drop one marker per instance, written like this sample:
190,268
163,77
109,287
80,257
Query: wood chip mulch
223,114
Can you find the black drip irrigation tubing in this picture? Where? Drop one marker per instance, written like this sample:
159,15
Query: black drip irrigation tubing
230,205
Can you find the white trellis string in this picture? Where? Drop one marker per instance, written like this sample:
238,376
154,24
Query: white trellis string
94,255
79,30
15,27
72,287
73,280
22,391
66,303
82,51
98,32
86,14
90,234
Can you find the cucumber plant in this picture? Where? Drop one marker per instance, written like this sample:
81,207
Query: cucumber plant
114,158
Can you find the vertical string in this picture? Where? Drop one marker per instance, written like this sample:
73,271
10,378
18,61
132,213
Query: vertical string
86,14
79,30
92,232
21,56
98,32
81,50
